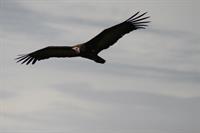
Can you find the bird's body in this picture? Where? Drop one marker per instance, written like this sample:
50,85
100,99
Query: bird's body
93,47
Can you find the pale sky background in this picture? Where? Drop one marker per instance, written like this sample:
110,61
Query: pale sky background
149,84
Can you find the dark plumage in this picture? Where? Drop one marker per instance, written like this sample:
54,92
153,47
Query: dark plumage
90,49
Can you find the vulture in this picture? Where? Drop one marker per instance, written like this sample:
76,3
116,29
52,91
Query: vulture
91,48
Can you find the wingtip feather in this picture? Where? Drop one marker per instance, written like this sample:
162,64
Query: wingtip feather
138,20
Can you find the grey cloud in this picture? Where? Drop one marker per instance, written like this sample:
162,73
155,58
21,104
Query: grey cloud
164,73
119,97
82,21
17,19
139,71
124,110
6,94
173,33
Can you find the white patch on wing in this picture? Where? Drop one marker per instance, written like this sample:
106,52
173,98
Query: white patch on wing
76,49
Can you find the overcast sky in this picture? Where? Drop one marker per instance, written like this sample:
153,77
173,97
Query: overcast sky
150,82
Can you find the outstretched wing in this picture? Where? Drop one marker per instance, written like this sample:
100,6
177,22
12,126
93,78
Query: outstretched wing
111,35
45,53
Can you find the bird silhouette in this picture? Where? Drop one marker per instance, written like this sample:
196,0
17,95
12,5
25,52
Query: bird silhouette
91,48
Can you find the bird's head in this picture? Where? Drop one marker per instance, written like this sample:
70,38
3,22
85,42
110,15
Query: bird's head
76,49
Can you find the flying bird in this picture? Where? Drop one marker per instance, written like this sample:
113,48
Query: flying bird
91,48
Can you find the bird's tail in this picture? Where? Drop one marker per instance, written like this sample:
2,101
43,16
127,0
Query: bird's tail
98,59
95,58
